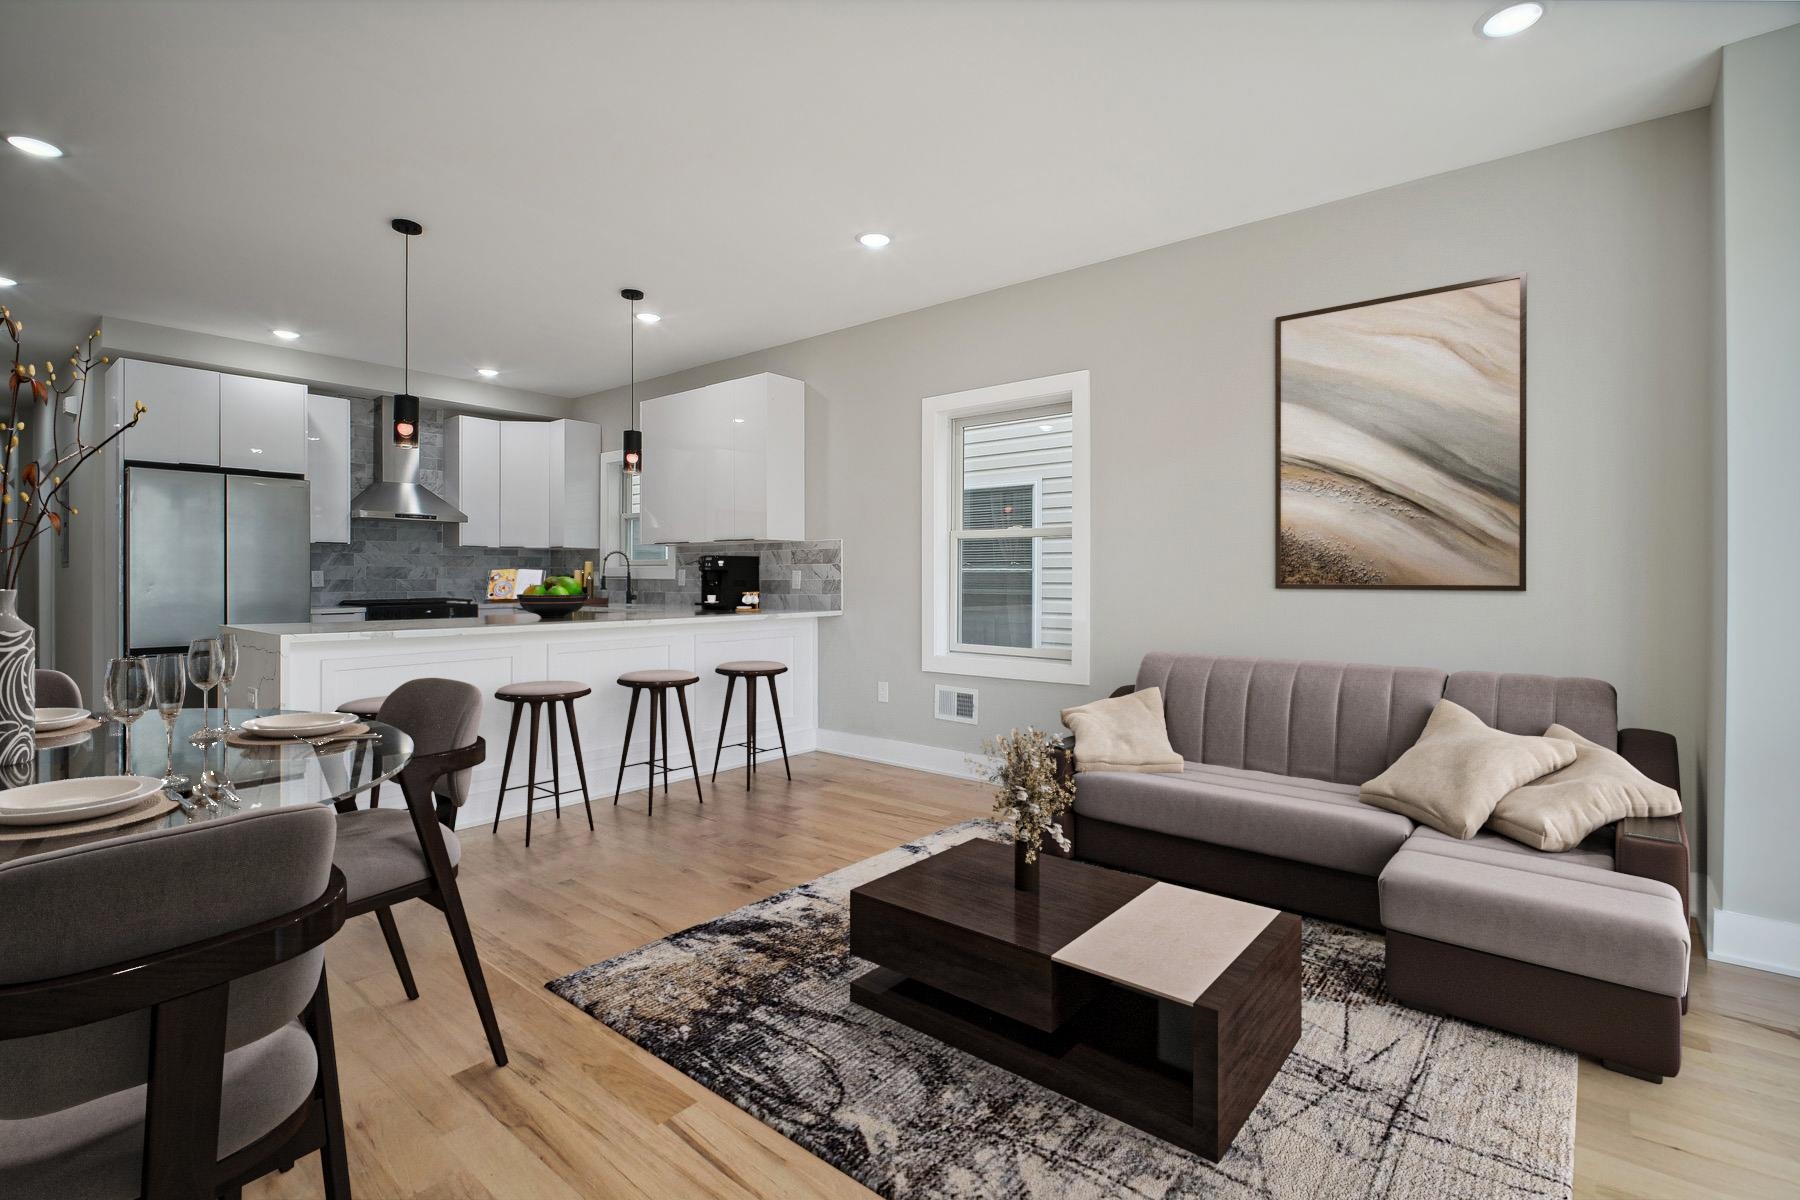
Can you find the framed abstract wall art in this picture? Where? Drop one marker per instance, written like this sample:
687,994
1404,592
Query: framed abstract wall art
1400,441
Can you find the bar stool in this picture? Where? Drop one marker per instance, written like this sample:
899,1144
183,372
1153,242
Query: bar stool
750,670
535,696
368,708
658,683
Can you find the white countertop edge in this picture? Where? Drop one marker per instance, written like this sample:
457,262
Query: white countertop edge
363,631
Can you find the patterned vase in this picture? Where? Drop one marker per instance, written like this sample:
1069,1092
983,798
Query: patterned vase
18,680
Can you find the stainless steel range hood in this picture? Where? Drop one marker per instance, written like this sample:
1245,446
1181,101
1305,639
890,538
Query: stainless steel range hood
397,494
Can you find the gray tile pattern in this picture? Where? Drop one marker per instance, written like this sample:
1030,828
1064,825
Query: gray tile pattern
402,558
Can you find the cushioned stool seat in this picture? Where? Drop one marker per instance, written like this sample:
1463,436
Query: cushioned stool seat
369,707
543,689
752,666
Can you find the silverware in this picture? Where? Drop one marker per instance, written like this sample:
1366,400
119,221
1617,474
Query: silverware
322,742
187,806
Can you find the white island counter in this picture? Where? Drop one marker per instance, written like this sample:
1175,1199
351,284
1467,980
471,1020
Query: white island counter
320,665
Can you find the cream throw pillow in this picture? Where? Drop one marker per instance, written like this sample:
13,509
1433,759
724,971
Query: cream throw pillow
1559,811
1459,769
1125,733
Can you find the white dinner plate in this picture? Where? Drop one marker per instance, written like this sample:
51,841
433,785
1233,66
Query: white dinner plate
49,719
298,725
69,800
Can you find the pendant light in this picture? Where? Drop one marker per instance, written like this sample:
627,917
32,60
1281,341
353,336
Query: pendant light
634,438
406,405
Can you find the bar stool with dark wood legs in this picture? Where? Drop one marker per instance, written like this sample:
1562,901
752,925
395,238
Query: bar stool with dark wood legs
659,683
535,696
750,670
368,708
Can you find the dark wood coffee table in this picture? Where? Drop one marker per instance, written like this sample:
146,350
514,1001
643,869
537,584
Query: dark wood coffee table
1167,1008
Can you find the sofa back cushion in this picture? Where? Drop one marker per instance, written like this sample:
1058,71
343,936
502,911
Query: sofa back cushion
1530,704
1338,721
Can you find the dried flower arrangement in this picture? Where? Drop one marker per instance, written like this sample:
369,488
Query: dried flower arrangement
1033,790
32,489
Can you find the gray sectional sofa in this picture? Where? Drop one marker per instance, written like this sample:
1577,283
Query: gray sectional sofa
1587,949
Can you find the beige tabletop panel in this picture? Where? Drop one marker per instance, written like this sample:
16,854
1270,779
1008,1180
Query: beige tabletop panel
1171,942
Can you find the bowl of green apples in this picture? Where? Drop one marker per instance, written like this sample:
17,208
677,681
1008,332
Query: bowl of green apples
555,599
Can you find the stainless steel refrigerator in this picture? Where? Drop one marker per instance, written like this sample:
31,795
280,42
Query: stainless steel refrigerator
210,548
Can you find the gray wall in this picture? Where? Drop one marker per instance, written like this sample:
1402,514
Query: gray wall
1614,234
1757,829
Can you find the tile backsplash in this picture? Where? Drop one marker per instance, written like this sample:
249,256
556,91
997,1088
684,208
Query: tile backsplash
406,558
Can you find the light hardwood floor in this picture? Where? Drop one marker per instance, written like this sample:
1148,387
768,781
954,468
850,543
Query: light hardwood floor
582,1112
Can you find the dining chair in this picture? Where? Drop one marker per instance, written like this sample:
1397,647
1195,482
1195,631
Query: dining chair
56,690
389,855
164,1025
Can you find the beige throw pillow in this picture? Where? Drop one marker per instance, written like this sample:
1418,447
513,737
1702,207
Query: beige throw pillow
1560,810
1459,769
1125,733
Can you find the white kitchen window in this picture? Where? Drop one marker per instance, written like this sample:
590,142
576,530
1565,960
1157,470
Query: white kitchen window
1005,537
621,498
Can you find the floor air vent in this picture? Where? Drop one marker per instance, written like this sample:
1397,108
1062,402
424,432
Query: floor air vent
956,704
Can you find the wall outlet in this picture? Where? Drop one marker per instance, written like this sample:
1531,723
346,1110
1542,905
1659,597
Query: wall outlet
796,580
881,692
318,579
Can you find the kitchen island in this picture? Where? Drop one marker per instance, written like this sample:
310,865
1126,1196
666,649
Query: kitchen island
320,665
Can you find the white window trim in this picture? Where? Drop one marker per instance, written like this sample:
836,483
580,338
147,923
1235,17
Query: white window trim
938,654
612,528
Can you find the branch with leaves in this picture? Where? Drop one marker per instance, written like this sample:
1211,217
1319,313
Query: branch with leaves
33,489
1033,790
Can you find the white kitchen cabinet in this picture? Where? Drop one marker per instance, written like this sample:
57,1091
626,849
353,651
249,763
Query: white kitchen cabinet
182,421
262,424
472,478
726,462
574,485
524,483
328,466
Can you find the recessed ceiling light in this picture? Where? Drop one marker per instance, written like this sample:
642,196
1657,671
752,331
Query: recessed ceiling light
34,146
286,335
649,318
5,282
874,241
1512,19
1048,428
486,372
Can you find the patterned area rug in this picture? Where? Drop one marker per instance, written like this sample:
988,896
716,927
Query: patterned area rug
1377,1100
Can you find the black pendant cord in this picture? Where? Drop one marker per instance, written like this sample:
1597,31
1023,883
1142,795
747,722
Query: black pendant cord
632,329
406,315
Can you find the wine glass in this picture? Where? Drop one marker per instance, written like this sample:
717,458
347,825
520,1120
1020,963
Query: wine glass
203,670
168,690
127,694
228,668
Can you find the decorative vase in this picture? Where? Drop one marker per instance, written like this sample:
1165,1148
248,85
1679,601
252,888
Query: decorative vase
18,667
1025,874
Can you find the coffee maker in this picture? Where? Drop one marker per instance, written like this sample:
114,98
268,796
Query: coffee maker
724,578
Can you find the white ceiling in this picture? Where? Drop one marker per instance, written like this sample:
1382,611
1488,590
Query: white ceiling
231,167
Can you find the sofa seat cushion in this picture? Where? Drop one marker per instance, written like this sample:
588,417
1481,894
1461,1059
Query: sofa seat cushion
1487,846
1550,910
1284,816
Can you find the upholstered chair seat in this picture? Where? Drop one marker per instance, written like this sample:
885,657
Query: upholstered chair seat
378,850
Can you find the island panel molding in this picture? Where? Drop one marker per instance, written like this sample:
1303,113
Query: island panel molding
318,666
1400,441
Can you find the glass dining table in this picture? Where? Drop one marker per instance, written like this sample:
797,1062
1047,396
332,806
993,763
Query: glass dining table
262,776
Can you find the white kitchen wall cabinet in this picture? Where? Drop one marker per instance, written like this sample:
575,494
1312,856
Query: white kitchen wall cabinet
182,424
262,425
328,466
524,483
726,462
574,484
472,478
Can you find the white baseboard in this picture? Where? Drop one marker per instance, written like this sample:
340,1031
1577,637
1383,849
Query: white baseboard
1747,940
935,759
